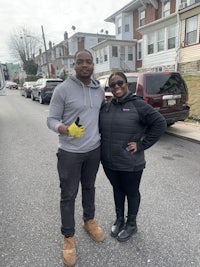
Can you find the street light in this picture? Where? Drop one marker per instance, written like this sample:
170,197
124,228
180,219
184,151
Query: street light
45,47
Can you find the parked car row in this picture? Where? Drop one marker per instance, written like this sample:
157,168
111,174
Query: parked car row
40,90
165,91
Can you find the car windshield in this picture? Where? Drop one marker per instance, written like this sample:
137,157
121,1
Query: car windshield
165,84
132,84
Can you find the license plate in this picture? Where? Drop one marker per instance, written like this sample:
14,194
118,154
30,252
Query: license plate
171,102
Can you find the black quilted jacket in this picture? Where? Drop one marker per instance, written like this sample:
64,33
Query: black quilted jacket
120,122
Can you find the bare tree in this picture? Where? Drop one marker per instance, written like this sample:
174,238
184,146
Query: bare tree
23,43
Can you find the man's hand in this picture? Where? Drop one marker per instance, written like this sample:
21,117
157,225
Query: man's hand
76,130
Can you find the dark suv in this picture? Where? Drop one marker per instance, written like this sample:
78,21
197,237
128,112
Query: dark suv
165,91
43,89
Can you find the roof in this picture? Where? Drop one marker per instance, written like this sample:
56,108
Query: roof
114,42
83,34
135,4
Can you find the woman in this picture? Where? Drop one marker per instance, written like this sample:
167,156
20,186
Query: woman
128,126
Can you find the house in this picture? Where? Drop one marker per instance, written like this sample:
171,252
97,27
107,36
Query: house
150,36
59,58
189,49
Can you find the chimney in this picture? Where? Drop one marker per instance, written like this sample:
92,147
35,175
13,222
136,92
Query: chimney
65,35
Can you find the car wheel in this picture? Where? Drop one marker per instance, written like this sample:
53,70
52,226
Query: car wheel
41,100
32,97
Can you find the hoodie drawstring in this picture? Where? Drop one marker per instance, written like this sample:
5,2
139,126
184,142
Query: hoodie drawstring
91,105
90,96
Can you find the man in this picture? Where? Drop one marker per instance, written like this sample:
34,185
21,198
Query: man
74,115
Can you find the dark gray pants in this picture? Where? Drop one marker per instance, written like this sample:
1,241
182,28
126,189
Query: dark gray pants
74,168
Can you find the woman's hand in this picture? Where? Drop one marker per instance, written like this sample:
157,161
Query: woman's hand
132,147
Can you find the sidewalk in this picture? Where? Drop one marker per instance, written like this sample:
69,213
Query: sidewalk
186,130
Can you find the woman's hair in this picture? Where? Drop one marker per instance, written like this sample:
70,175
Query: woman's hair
118,73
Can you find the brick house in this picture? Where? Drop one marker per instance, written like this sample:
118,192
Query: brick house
153,31
60,57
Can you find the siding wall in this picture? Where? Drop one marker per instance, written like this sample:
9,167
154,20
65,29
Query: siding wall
189,53
166,57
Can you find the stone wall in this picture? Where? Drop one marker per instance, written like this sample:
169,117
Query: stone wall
190,67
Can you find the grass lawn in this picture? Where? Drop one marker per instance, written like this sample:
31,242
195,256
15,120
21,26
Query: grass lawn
193,84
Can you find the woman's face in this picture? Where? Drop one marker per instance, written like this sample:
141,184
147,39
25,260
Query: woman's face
118,86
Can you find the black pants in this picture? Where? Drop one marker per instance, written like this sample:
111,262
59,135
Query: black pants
125,184
74,168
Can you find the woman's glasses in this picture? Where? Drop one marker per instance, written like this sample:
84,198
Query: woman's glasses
119,83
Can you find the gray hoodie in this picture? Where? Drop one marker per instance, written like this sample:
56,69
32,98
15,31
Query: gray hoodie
72,99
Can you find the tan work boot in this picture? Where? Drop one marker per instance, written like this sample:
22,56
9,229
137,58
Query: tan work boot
95,232
69,251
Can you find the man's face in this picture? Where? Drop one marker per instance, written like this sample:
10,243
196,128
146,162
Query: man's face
84,65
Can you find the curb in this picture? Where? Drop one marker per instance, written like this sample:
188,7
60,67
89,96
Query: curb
184,137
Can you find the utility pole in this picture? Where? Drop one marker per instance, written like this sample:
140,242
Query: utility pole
45,47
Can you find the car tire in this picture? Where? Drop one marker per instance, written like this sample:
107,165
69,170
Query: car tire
41,101
32,97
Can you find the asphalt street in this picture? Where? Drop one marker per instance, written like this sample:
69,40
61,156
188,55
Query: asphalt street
168,220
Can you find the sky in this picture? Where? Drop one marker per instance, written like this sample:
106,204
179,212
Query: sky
56,17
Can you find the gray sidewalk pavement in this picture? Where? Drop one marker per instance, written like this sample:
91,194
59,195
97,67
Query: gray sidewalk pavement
186,130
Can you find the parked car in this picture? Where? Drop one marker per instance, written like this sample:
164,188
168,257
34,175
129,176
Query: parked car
43,89
11,85
27,88
165,91
103,80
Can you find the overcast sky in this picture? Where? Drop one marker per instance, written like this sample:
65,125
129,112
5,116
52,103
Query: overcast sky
56,16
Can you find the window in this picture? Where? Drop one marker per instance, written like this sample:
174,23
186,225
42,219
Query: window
165,84
59,52
151,43
114,51
171,37
105,54
127,26
158,69
166,8
71,64
122,52
191,31
141,18
119,26
130,53
160,40
97,57
101,56
139,51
